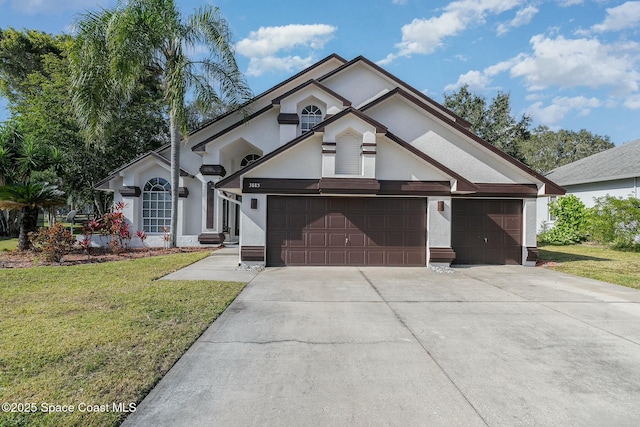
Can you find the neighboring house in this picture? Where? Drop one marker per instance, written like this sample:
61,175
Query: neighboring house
614,172
341,164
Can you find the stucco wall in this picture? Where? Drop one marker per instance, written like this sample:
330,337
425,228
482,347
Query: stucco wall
439,223
623,188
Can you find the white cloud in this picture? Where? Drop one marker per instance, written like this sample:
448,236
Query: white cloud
40,7
399,1
262,46
627,15
479,81
259,65
560,107
424,36
633,102
567,3
523,17
580,62
269,40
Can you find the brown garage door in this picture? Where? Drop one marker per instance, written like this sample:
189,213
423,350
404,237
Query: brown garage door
487,231
346,231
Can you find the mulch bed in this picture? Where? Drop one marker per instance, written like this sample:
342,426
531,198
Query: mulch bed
28,259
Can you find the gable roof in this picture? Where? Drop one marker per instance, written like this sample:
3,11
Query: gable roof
361,59
551,187
618,162
345,102
462,183
150,154
271,90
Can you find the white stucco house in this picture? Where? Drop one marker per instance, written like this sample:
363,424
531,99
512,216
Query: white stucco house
341,164
614,172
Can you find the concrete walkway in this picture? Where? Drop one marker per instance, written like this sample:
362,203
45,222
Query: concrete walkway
221,265
497,346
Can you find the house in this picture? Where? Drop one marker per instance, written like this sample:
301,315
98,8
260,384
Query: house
341,164
614,172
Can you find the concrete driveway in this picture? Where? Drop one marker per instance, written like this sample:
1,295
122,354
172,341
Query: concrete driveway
497,346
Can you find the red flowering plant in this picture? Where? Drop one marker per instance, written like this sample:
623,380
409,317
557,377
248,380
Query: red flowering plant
115,224
92,227
142,236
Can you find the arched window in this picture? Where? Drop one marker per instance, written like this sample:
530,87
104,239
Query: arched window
156,205
248,159
311,116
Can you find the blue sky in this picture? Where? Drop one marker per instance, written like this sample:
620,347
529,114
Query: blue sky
570,64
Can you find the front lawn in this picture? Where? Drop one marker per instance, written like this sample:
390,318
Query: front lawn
99,334
8,244
596,262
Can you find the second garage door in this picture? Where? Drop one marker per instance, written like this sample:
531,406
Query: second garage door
346,231
487,231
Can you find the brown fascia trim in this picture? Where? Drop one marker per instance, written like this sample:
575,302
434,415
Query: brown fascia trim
130,191
200,146
390,76
554,190
268,91
380,128
415,188
345,101
463,183
506,190
236,175
280,186
345,186
349,185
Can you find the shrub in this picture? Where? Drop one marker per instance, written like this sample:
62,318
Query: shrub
54,242
115,224
570,224
616,221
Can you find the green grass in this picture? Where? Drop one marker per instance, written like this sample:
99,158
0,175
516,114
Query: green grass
596,262
8,244
97,333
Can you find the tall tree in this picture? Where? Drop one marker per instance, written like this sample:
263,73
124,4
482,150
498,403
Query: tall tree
115,49
35,79
547,149
491,121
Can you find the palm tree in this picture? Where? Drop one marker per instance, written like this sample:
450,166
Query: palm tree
28,198
115,49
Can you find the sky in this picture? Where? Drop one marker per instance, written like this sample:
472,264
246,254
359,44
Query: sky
569,64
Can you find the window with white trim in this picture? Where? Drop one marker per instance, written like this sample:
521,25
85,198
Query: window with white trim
248,159
156,205
310,116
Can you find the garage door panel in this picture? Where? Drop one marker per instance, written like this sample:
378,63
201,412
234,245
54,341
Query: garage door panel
376,221
337,257
356,257
317,239
487,231
296,257
356,240
346,231
337,240
317,257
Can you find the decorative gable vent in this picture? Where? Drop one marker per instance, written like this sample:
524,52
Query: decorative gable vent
348,149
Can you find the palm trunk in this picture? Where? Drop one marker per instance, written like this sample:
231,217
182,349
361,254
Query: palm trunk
28,223
175,178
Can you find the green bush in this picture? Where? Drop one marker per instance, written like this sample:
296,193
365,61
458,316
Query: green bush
54,242
570,225
616,221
